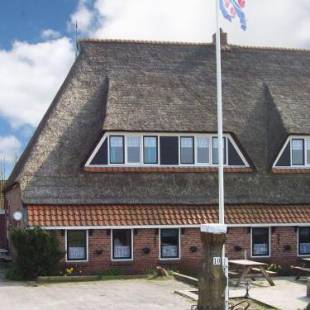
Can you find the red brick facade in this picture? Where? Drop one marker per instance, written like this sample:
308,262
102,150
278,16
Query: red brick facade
190,261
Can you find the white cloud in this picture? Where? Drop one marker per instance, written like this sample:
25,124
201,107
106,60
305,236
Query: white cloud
282,23
83,16
9,148
50,34
30,75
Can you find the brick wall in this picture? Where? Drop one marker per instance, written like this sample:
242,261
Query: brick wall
190,261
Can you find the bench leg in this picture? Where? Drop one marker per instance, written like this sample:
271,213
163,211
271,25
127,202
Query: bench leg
267,277
243,274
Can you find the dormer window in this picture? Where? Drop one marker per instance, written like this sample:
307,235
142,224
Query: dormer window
298,152
133,149
187,150
215,145
164,149
150,150
117,149
203,156
295,153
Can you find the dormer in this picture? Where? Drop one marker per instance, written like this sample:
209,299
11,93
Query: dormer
295,154
164,150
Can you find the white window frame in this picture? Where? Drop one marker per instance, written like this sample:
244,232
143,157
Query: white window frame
158,149
66,247
194,140
126,149
269,241
298,254
112,250
291,166
180,246
159,135
196,150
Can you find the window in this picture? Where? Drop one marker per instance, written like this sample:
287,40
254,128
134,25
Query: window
136,149
116,149
122,244
202,150
169,150
304,241
76,245
215,157
169,243
308,151
297,152
187,150
133,149
260,241
150,150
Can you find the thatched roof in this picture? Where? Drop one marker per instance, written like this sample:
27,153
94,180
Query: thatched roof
143,86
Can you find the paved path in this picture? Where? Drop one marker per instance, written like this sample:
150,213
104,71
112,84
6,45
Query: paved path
135,295
107,295
287,294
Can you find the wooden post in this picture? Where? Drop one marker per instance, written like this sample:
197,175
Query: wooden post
212,282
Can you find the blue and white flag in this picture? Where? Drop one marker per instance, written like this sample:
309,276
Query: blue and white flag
232,8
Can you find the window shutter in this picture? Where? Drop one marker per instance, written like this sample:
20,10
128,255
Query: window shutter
169,151
285,158
101,158
233,157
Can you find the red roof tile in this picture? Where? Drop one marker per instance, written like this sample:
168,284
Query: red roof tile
145,215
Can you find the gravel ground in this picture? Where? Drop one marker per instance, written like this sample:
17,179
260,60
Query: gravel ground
117,295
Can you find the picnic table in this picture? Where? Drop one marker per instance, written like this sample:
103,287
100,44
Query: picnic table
300,270
246,266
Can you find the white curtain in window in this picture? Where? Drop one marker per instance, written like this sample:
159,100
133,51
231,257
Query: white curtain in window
121,251
170,251
76,252
116,141
260,249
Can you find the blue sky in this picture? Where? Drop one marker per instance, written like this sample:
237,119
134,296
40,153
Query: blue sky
37,44
24,20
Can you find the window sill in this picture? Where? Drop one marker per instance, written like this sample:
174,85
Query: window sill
167,169
177,259
291,170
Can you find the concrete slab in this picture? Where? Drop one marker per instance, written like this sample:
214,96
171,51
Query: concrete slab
108,295
287,294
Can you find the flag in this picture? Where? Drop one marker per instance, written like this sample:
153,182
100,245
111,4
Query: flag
232,8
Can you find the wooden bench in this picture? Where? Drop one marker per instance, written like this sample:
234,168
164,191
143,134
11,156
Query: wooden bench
271,273
300,270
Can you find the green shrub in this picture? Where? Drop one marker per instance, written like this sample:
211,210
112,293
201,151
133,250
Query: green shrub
114,271
37,254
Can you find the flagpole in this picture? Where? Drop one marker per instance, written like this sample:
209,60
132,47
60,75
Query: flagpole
219,90
219,117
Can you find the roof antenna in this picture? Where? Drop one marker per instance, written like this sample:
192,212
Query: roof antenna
76,40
